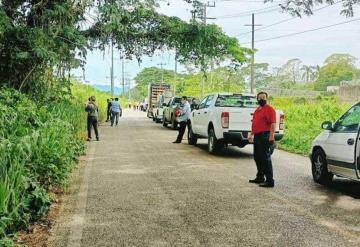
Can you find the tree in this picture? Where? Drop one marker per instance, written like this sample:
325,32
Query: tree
40,39
309,73
337,68
300,7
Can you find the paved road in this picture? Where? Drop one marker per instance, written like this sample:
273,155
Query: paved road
139,189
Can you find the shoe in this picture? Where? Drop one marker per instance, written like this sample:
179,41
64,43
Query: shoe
88,139
176,142
267,184
98,139
257,181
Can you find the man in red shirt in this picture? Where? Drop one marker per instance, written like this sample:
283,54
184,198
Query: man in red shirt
263,137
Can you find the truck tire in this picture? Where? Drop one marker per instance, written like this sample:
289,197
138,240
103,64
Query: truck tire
214,145
192,138
319,168
154,119
174,123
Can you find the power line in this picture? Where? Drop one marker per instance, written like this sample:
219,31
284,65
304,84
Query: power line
250,12
286,20
306,31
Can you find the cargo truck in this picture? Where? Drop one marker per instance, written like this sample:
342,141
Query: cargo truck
154,90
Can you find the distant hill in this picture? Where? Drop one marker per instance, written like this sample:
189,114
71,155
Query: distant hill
107,88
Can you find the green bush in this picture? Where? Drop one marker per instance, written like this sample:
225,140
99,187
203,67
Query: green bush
303,120
39,144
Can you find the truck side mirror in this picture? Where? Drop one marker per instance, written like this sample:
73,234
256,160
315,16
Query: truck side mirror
327,125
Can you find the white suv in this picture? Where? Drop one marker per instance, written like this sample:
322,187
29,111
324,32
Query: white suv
336,150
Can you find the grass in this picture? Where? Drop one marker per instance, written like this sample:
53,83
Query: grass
303,120
39,146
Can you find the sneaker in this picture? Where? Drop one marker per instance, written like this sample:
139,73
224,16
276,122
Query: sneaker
98,139
88,139
177,142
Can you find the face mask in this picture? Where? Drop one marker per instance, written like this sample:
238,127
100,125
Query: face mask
262,102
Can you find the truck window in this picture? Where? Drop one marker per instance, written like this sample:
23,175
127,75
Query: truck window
177,101
349,122
236,101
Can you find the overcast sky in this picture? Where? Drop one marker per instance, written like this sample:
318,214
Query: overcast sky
232,16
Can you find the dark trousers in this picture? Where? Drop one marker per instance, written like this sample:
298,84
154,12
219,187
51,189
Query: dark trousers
262,156
92,122
182,129
115,118
108,115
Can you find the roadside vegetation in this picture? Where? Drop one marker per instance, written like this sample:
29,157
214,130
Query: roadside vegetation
39,145
303,120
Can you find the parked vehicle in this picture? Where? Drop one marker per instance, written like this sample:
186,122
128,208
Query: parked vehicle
169,116
158,110
153,91
336,150
226,119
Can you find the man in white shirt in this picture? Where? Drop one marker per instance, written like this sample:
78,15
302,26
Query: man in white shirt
183,118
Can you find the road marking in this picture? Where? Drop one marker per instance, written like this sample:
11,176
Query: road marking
78,222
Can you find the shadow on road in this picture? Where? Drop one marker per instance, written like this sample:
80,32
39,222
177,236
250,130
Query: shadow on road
345,187
229,152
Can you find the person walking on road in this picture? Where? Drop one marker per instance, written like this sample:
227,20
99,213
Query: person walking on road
115,112
183,118
263,137
92,120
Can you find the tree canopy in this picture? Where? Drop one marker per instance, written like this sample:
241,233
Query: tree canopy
40,39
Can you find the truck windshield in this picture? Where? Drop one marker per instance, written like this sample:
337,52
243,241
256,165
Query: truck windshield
177,101
236,101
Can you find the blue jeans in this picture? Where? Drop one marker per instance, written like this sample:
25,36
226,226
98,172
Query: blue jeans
115,118
262,156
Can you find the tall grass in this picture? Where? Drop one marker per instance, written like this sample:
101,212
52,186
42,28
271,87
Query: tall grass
39,144
303,120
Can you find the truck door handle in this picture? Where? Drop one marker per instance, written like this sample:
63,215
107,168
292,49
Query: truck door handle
350,141
198,112
205,112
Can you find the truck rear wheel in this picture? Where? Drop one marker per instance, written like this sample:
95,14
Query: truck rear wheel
214,145
192,138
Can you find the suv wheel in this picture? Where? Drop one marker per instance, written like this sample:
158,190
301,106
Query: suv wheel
214,145
319,169
192,138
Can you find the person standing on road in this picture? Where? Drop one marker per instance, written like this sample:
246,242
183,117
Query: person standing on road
183,118
263,137
92,120
108,110
115,111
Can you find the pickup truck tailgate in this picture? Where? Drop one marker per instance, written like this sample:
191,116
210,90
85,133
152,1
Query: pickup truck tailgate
240,118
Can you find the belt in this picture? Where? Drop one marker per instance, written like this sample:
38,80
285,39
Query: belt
262,133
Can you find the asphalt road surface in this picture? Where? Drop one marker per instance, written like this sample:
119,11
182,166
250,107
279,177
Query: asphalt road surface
139,189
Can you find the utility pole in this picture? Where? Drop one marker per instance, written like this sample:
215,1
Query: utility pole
112,69
253,52
200,12
175,75
162,71
123,73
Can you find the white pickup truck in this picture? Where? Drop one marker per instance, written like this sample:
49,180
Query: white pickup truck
226,119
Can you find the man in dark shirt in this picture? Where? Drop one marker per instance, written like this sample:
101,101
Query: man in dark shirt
263,137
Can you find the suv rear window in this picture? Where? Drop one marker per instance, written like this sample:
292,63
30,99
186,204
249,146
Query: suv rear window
236,101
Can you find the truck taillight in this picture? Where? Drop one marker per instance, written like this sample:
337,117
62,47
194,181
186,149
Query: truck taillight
225,116
282,118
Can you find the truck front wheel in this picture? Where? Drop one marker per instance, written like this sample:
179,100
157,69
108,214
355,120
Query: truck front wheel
192,138
319,167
